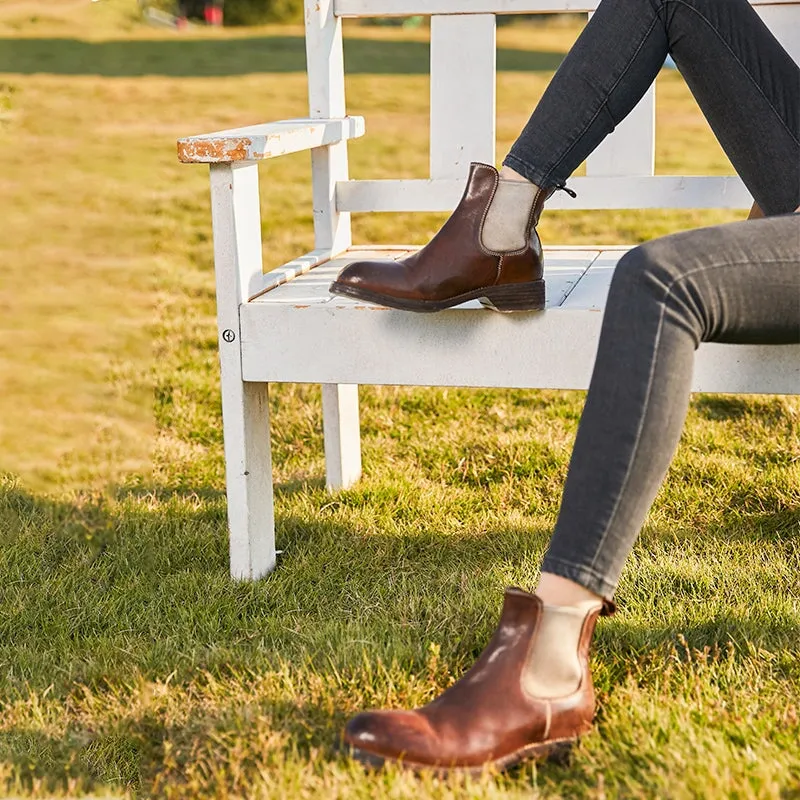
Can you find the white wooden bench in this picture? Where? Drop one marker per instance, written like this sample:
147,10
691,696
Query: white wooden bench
285,326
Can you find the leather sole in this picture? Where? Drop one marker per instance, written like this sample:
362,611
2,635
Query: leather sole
557,751
507,298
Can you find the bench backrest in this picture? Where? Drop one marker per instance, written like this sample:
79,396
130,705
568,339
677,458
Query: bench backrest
462,117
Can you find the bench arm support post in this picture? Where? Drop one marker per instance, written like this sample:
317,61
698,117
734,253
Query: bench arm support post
236,222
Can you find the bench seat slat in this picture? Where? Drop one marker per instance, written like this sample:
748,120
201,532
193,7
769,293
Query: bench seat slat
340,340
303,282
591,292
341,344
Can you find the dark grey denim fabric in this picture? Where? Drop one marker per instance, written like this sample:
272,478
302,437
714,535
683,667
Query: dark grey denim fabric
730,283
745,83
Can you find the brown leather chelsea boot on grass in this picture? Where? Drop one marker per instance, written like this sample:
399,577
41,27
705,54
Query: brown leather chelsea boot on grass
529,695
488,250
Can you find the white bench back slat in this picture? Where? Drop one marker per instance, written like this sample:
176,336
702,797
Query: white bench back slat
410,8
463,120
784,22
631,148
406,8
661,191
462,93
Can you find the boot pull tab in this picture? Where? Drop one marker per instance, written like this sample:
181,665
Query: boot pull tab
564,188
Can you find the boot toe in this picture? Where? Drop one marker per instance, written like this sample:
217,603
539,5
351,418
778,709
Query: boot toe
374,281
363,274
391,734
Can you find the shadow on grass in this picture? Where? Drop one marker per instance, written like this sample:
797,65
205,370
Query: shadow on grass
141,586
163,494
106,593
142,752
225,57
772,410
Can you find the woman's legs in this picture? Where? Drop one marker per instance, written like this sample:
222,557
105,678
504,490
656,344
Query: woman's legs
530,691
746,84
731,283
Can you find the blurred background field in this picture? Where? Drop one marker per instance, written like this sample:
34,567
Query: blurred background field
128,661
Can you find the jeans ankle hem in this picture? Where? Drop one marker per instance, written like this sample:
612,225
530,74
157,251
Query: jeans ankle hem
581,574
526,170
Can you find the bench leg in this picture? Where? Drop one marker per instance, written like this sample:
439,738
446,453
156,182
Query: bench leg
248,474
236,220
342,435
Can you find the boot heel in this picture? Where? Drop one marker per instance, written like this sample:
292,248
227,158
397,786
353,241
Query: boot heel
561,753
515,297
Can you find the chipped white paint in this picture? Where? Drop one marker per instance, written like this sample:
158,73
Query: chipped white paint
259,142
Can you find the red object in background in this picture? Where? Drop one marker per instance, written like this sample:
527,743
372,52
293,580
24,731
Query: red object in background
213,14
181,23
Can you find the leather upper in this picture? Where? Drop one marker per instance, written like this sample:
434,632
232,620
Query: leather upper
455,262
486,715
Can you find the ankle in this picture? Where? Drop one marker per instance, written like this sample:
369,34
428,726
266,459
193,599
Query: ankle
508,174
553,590
556,663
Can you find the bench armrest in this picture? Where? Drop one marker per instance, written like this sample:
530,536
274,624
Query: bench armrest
257,142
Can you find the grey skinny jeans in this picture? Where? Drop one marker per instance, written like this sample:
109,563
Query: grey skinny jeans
745,83
737,283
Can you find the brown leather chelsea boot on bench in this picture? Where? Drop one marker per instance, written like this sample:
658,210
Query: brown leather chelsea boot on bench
488,250
529,695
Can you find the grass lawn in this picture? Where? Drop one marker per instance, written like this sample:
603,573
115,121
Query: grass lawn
130,664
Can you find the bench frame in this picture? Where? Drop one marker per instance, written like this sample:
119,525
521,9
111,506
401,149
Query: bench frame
262,342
